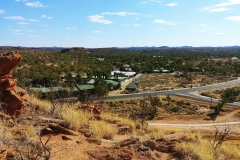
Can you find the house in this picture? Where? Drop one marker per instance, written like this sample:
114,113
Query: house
156,71
127,74
234,58
165,71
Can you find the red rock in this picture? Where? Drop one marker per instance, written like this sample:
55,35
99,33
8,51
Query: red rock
8,62
14,98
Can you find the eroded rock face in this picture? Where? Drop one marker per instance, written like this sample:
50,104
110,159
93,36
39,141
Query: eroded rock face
13,99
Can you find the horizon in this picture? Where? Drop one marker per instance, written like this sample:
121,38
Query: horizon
120,24
127,47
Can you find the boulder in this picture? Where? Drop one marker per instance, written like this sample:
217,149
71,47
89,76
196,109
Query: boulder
13,99
168,143
8,62
128,142
150,143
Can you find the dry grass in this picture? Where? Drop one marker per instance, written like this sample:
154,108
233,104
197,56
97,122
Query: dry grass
112,118
128,122
156,132
103,130
198,148
4,133
195,147
43,104
75,118
162,81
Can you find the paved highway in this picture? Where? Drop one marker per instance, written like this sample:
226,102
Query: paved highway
185,92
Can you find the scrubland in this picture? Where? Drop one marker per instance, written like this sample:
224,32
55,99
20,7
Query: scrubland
33,136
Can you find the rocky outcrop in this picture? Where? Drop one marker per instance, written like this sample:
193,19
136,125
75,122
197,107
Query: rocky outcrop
13,99
168,143
75,50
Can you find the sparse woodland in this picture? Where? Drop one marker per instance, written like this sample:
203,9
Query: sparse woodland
63,127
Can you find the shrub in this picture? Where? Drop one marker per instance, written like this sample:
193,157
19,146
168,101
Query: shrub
173,109
130,123
75,119
103,130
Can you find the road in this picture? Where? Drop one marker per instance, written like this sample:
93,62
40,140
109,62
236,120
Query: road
132,84
193,125
185,92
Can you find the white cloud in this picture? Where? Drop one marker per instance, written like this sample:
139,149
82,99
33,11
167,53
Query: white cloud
219,33
15,30
20,0
2,11
32,20
23,23
164,22
99,19
119,13
172,4
133,25
72,28
30,31
215,9
218,9
229,3
221,6
199,30
44,16
34,4
32,36
14,18
96,31
137,25
158,1
17,33
233,18
203,25
89,37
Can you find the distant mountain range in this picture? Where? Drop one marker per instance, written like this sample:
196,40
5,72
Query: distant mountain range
182,47
64,49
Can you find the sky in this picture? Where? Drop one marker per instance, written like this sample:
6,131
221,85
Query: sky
119,23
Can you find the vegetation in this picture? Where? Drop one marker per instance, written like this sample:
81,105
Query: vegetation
128,117
51,68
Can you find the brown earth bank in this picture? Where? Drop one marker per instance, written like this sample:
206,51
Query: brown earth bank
13,99
57,138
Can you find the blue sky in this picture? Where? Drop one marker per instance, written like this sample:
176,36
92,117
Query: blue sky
119,23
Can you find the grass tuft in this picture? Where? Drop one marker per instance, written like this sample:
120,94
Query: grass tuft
156,132
103,130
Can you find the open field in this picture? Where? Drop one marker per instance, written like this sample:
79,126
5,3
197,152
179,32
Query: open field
166,81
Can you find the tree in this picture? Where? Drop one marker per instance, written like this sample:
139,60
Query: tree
221,133
229,95
155,102
168,99
79,79
100,87
179,104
